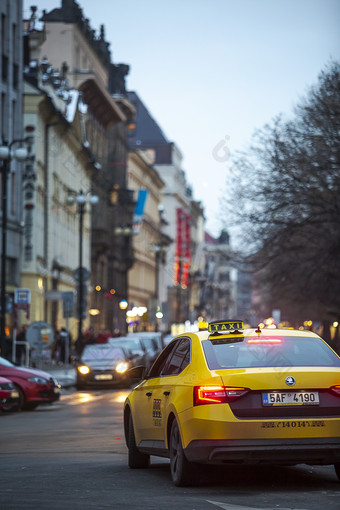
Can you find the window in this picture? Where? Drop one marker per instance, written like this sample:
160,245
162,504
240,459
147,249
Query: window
160,362
179,360
4,67
13,192
15,75
3,33
14,111
224,277
11,271
273,351
77,58
4,116
14,42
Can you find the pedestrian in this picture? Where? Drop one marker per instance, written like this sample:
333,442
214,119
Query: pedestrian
20,347
63,339
103,337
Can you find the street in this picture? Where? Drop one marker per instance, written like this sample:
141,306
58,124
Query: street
72,455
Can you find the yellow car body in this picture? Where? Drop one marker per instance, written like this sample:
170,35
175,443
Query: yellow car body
237,414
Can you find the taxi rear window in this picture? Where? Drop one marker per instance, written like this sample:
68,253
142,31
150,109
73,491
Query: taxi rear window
269,352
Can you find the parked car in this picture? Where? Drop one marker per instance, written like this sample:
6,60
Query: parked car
104,365
9,395
151,342
167,339
133,348
35,387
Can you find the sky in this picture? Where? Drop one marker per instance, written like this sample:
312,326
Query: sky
211,72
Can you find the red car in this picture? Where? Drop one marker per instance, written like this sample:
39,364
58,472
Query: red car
9,395
35,387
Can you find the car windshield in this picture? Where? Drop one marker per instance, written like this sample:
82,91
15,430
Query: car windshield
5,362
125,342
273,351
102,352
132,345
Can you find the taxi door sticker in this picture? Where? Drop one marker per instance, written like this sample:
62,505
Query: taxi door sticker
156,412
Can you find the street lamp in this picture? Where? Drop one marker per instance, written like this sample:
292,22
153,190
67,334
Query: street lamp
123,304
6,156
81,199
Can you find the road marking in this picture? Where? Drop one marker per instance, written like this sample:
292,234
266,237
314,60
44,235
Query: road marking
227,506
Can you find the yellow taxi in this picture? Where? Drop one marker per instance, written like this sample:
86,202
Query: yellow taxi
234,395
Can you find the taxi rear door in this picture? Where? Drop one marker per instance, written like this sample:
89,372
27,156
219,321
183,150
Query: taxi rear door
157,392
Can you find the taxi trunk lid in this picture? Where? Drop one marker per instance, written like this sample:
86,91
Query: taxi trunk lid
267,378
284,391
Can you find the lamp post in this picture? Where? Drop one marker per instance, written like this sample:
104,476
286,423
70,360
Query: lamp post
81,199
124,233
160,250
6,157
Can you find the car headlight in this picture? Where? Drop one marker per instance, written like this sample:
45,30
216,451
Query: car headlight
37,379
122,367
7,386
83,369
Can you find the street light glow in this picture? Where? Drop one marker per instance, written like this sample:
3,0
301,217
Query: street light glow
123,304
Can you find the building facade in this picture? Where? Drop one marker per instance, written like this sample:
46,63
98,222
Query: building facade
84,57
57,225
147,276
184,218
219,292
11,129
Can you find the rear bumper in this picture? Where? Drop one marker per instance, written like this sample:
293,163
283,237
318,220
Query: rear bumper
319,451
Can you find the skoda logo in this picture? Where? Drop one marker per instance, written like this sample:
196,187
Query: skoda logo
290,381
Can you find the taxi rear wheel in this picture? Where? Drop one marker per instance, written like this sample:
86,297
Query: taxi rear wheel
137,459
337,469
182,470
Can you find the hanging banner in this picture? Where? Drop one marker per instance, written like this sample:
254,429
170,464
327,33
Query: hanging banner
183,248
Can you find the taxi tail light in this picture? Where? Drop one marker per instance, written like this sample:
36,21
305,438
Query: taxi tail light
336,389
217,394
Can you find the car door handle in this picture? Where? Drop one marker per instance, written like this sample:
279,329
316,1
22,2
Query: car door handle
149,393
166,393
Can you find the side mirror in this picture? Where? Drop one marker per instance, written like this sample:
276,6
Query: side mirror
137,373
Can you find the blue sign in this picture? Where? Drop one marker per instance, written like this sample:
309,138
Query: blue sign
139,210
22,296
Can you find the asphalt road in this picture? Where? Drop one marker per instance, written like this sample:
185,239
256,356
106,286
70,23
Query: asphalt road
72,455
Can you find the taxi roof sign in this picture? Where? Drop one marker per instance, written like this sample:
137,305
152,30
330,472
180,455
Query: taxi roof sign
225,326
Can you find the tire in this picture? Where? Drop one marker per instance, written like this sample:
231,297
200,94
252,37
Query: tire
136,459
337,469
182,471
22,400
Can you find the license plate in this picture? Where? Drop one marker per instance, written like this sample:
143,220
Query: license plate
103,377
296,398
14,394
